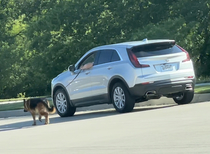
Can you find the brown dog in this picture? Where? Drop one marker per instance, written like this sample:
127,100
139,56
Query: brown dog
40,107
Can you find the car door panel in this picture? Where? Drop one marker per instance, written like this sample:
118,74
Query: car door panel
102,72
80,87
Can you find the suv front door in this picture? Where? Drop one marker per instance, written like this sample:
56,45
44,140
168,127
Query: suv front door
80,89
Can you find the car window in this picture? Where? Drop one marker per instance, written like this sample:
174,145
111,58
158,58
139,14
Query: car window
115,56
155,49
106,56
88,59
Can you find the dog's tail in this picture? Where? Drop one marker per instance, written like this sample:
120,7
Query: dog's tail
46,101
50,109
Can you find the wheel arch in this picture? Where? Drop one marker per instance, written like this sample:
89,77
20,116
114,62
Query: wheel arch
114,80
60,86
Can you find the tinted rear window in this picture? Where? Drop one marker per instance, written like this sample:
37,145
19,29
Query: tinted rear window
105,56
155,49
115,56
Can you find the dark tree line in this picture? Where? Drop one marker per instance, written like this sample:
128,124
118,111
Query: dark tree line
40,38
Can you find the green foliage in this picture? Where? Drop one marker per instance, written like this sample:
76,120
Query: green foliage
21,95
202,89
39,39
203,79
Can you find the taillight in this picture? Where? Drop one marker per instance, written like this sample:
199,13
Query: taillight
187,54
189,77
135,61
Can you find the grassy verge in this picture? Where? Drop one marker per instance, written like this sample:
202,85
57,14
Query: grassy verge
202,89
11,99
14,106
18,99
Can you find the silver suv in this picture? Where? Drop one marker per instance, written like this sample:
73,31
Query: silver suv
124,74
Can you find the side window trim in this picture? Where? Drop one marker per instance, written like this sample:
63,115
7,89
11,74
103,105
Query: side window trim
98,52
97,57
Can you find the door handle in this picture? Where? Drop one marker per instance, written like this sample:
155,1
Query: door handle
87,72
109,68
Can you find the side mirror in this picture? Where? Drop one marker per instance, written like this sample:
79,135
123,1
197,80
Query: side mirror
71,68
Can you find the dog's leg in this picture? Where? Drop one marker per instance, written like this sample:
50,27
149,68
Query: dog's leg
34,118
45,114
47,121
40,117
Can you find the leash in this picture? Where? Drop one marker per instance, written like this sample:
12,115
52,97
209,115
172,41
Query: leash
79,73
75,77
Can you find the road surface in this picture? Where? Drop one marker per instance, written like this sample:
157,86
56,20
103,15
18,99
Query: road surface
170,129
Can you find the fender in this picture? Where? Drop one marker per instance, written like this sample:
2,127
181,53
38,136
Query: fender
57,86
113,80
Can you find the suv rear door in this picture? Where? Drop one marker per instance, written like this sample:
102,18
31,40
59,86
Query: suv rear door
165,61
106,64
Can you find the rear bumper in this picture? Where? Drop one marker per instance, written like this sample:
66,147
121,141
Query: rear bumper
162,87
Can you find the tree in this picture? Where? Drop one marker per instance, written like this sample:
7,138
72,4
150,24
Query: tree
40,39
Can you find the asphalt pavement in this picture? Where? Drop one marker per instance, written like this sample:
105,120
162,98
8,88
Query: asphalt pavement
172,129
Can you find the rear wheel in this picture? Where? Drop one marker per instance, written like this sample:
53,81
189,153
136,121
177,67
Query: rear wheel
184,98
121,98
62,104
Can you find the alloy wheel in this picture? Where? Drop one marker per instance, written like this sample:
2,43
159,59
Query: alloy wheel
180,97
61,103
119,97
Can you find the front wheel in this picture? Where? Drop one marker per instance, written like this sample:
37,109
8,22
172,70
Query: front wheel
121,98
61,101
184,98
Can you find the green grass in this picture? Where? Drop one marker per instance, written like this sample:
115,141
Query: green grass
17,99
202,89
11,99
14,106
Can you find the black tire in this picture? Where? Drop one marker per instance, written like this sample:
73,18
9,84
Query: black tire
125,103
62,104
184,98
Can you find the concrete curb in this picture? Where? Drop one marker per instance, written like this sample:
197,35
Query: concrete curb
156,102
202,84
